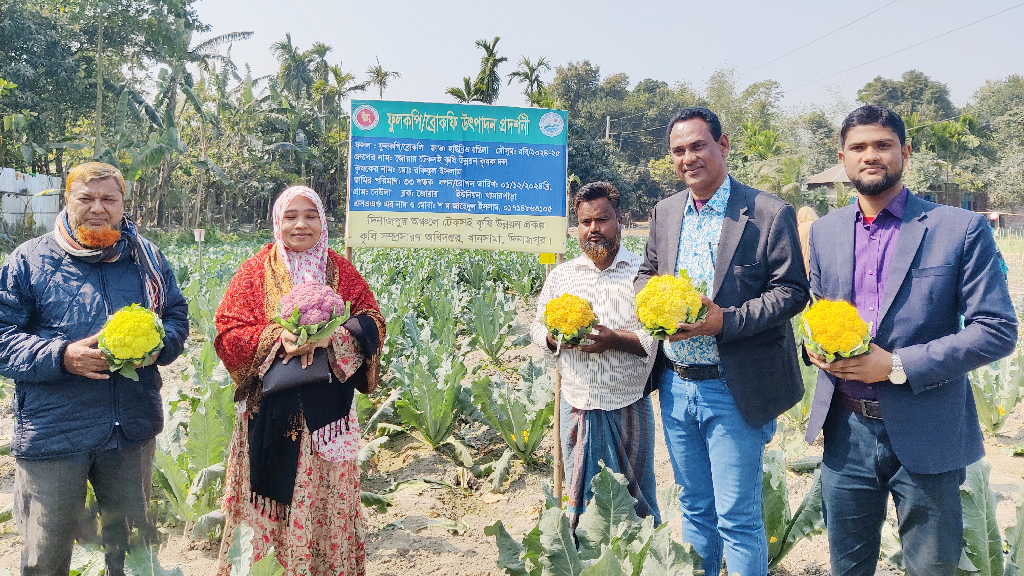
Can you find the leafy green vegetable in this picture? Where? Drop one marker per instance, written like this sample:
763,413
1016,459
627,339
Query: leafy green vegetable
613,540
983,545
493,313
996,391
520,414
431,384
785,529
144,562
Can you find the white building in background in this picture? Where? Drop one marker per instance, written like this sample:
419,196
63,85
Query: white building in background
27,198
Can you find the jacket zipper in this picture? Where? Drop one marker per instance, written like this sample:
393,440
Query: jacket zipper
113,379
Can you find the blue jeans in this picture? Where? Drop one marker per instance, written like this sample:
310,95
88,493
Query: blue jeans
860,470
718,459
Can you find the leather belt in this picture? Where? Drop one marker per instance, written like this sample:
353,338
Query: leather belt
697,371
869,408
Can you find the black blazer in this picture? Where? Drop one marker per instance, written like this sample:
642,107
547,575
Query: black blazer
760,283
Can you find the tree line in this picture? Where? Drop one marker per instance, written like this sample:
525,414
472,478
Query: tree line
142,85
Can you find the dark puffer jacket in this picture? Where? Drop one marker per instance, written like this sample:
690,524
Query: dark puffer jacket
49,299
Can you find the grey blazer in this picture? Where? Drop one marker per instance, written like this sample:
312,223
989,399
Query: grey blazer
760,284
944,266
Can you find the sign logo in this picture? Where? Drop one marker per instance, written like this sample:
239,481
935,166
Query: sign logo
551,124
365,117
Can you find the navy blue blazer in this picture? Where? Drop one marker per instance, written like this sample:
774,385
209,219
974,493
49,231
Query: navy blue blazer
944,266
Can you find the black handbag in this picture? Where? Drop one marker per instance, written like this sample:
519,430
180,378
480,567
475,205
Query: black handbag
281,376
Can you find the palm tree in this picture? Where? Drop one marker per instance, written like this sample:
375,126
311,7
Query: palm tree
204,55
469,92
488,78
528,73
344,84
178,56
380,77
295,74
319,68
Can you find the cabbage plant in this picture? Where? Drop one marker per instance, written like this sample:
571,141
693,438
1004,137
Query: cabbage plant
612,540
520,413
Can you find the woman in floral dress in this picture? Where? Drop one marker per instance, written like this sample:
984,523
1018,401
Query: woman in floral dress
292,474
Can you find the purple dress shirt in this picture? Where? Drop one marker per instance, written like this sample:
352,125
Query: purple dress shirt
873,247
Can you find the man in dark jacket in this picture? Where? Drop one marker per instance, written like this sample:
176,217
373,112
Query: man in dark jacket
74,420
901,418
724,380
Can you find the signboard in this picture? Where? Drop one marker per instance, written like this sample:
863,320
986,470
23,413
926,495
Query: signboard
427,175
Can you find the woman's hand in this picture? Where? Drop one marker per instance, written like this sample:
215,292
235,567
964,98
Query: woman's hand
305,352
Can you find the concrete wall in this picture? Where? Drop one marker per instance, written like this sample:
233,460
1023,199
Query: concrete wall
18,194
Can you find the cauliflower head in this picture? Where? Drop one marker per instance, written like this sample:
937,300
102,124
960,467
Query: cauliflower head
315,302
312,311
835,329
131,333
570,317
132,338
666,301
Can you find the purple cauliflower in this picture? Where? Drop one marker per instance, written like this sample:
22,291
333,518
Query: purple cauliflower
316,303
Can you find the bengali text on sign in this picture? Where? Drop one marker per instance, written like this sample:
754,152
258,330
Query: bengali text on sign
456,176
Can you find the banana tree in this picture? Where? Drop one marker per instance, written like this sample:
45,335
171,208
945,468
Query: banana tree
292,117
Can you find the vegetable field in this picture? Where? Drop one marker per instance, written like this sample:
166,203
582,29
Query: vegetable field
463,419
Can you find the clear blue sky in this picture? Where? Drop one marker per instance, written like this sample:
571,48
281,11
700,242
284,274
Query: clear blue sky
431,42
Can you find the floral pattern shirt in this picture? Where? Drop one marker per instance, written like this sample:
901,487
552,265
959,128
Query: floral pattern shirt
698,247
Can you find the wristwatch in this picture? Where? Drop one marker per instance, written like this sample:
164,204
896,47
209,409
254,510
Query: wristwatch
897,376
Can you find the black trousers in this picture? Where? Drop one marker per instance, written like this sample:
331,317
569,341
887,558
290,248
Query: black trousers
49,499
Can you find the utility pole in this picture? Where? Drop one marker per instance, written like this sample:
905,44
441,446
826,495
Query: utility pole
607,127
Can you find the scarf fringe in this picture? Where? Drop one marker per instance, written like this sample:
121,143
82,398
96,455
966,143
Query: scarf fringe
330,432
268,508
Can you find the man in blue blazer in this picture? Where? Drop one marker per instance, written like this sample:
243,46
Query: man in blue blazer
901,419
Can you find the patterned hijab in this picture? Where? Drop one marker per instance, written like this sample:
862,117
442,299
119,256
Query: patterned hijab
310,265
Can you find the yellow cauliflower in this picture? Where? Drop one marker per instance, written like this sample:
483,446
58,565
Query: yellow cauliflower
834,329
131,339
570,318
668,300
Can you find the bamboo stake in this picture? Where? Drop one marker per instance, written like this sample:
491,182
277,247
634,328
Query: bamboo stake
558,422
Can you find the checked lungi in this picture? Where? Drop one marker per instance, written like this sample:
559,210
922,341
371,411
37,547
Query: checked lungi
623,440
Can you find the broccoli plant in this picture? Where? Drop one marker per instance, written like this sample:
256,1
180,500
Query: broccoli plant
189,463
493,315
612,540
431,382
785,529
521,414
996,389
800,413
523,273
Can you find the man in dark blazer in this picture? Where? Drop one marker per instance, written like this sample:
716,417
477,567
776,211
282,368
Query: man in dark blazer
901,419
724,380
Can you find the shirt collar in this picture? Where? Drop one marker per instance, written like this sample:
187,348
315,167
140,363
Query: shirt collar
895,207
621,256
719,200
